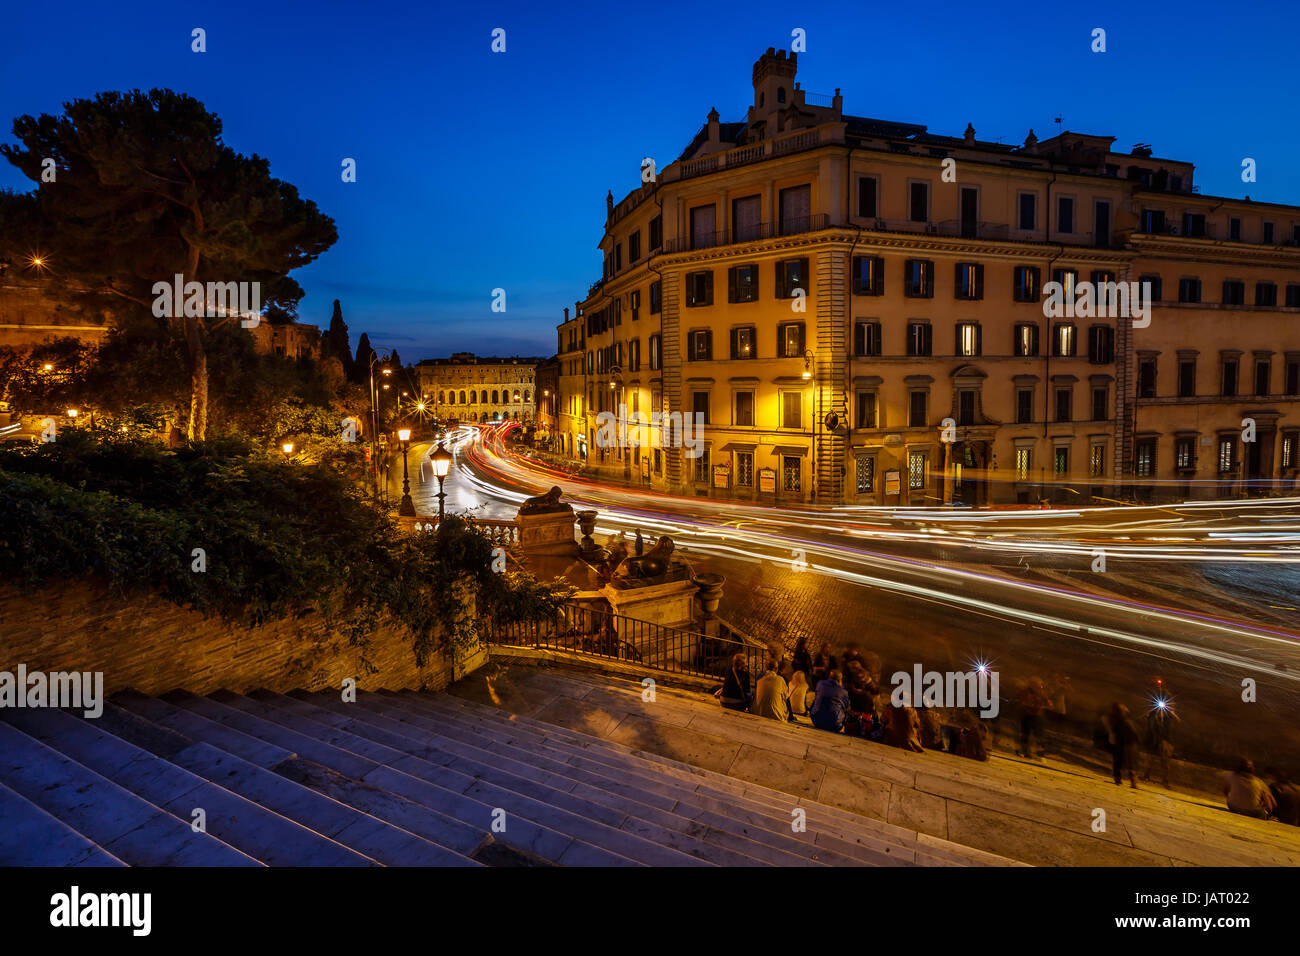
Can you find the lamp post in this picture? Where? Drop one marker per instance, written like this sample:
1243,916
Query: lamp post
287,448
407,507
373,359
441,459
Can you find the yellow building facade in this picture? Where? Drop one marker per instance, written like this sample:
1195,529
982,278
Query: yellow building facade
472,388
858,312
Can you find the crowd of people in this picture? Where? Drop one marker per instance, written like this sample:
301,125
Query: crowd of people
844,695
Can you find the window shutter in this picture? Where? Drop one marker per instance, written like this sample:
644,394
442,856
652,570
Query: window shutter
979,282
708,345
780,341
860,339
803,276
801,340
956,338
979,339
781,291
735,343
927,333
732,285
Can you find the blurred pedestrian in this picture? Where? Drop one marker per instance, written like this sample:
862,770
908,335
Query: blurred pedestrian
640,543
1033,701
1122,739
1286,796
1159,739
903,728
799,694
801,659
1246,793
736,693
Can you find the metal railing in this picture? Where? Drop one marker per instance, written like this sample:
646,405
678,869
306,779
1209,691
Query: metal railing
594,631
763,230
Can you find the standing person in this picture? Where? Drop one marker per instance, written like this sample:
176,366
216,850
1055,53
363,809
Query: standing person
640,543
1122,738
736,694
801,659
1159,739
798,695
1033,701
1246,793
831,704
771,693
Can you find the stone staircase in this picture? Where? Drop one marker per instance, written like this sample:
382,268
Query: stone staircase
394,779
1040,813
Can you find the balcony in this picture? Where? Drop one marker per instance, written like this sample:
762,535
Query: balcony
765,230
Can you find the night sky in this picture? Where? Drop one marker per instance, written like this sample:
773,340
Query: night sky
478,170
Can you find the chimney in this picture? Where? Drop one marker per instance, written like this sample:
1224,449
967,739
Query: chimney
566,313
715,132
837,103
969,135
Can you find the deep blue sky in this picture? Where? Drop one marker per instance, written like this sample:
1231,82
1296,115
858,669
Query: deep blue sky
478,170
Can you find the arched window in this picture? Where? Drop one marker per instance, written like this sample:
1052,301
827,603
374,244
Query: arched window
484,398
525,396
441,400
473,397
496,397
780,94
762,99
462,398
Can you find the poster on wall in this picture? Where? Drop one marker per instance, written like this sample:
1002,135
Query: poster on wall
767,481
893,482
720,475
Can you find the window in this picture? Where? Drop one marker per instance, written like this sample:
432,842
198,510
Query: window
791,410
780,94
1028,206
1293,296
633,358
1156,290
1189,290
702,467
1266,294
866,474
918,463
791,472
796,210
699,289
918,278
1065,339
1234,229
701,345
1024,463
1289,449
746,218
1060,461
744,409
968,339
867,409
1234,292
1184,453
618,256
1064,404
700,407
1024,406
703,227
744,343
1101,345
791,274
1268,233
1065,214
656,353
969,283
1101,224
1026,343
866,338
656,232
1147,378
634,303
1144,458
918,402
1227,454
656,297
919,340
1025,285
790,340
1262,370
1229,377
1153,221
1186,378
634,247
868,187
1292,386
742,284
1096,461
659,461
966,406
868,275
918,206
1068,280
1194,225
744,469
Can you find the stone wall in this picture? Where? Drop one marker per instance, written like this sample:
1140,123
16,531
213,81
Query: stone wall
154,646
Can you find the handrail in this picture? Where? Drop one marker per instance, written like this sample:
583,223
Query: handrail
597,632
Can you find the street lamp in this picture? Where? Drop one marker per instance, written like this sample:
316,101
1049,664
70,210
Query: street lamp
441,459
807,364
407,507
287,448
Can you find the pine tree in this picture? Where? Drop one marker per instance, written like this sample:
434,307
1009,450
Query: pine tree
336,344
365,354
